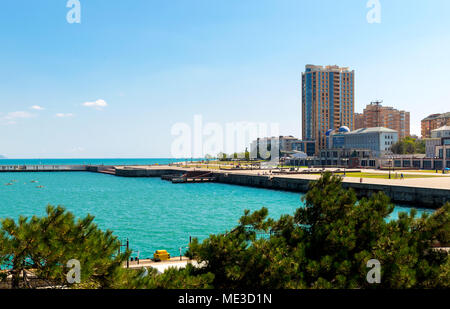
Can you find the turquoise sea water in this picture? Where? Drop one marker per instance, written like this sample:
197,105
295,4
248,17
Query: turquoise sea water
152,213
94,161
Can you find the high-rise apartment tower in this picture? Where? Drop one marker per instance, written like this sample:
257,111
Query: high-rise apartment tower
328,101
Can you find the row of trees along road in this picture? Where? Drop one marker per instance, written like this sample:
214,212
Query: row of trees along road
409,145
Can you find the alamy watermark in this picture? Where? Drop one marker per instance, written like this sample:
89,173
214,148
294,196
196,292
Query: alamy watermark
74,14
374,274
374,14
74,274
199,139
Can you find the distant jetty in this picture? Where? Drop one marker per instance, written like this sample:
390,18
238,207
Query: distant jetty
43,168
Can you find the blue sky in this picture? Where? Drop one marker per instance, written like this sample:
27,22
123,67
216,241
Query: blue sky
156,63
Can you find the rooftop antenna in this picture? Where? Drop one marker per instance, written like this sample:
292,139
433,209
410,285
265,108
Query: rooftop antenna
377,102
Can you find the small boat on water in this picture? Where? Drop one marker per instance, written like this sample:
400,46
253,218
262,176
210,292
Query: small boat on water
39,187
9,184
34,181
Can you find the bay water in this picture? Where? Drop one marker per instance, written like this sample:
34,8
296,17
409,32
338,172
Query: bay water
153,214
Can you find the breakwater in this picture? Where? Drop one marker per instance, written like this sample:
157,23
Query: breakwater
43,168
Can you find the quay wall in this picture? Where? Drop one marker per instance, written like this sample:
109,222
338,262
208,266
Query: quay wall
136,172
423,197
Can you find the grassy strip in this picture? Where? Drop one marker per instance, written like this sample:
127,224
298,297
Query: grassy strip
385,176
422,171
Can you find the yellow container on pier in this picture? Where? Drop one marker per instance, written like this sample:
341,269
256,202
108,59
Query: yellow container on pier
161,255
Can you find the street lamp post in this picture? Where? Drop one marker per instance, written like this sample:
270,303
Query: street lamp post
390,162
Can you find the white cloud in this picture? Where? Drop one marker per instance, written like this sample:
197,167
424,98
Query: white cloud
20,114
99,104
11,117
37,107
62,115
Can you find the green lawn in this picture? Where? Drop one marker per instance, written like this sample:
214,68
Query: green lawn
385,176
424,171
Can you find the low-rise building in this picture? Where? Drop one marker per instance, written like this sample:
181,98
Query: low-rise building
350,158
436,146
430,146
379,140
442,150
261,148
307,147
442,132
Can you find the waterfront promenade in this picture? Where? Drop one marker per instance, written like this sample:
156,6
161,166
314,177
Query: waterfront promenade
430,181
425,190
